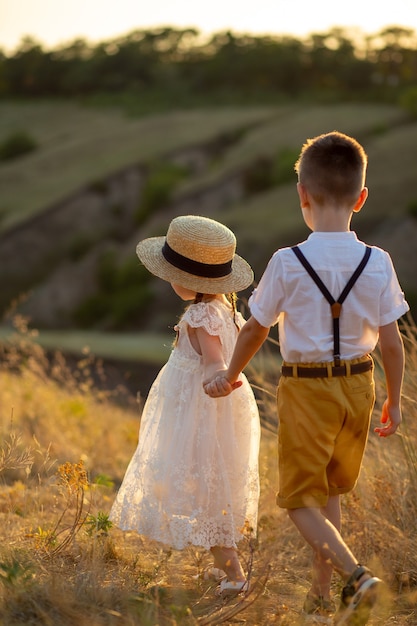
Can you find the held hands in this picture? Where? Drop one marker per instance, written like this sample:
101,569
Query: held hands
218,386
391,417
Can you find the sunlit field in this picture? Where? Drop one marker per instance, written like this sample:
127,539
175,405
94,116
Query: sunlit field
64,449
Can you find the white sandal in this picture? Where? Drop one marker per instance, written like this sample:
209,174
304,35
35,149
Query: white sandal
214,573
211,573
228,587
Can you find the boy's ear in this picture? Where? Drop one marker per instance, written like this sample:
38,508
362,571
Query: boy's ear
361,200
302,194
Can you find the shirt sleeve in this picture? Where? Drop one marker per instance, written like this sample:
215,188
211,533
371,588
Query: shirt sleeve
266,300
393,303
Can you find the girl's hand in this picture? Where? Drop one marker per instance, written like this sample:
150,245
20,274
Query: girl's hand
219,386
391,417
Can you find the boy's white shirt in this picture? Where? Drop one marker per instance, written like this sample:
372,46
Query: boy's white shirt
287,295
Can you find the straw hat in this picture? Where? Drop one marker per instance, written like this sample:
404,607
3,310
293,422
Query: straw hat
197,253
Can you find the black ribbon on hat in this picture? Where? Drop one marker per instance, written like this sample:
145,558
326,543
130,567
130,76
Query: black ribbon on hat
205,270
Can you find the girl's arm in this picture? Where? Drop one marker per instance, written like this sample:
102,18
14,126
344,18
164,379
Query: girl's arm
392,352
210,348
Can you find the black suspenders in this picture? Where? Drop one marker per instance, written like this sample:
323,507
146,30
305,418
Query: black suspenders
335,305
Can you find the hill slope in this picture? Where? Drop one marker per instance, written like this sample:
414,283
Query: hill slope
238,164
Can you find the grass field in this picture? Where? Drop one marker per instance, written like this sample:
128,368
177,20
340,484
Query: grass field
149,347
65,448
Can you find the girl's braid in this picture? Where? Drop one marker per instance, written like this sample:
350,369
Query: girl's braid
233,301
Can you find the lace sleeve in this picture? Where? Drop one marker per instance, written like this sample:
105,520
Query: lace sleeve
203,315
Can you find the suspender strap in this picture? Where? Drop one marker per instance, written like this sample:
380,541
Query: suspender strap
358,271
335,305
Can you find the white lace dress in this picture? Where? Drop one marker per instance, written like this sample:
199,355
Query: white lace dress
193,479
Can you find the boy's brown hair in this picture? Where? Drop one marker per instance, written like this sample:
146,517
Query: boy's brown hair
332,165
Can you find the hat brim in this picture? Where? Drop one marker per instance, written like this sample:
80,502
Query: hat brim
149,252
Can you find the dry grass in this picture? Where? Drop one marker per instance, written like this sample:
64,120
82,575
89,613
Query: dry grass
65,447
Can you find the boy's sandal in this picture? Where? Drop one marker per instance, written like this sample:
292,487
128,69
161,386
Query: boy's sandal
357,601
228,587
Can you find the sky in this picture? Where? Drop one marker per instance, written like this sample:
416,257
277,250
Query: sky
56,22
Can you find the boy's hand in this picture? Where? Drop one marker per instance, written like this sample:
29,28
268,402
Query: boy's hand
218,386
391,417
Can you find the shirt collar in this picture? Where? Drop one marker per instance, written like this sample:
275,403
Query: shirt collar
334,236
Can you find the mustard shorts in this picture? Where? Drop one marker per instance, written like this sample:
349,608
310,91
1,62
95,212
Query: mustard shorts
323,430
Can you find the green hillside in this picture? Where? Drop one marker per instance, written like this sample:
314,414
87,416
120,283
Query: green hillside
293,125
78,145
247,181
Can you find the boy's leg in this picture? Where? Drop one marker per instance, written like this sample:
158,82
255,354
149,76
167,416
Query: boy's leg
322,568
359,593
325,539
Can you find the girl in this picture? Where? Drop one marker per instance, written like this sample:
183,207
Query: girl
193,479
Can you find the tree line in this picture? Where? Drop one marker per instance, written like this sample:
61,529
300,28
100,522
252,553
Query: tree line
178,62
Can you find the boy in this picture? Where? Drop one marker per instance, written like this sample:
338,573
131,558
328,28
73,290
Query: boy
326,388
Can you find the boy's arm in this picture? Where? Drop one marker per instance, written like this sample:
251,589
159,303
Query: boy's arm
392,351
250,339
